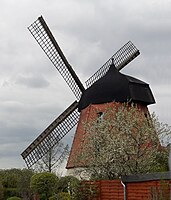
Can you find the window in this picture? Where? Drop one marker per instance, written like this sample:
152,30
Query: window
100,116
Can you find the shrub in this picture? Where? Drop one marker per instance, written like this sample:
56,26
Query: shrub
14,198
10,192
55,197
67,184
44,184
1,191
86,190
63,196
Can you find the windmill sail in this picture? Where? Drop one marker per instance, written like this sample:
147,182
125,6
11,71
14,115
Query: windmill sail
47,42
51,135
121,58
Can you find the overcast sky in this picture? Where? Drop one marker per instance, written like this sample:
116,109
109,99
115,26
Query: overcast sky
32,93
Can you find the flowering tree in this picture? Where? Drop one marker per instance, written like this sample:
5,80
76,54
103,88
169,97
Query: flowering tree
124,141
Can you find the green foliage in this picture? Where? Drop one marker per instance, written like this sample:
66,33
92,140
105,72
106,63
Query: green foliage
16,182
9,192
53,197
43,196
10,177
85,190
60,196
1,191
23,184
63,196
44,183
161,191
14,198
67,184
161,161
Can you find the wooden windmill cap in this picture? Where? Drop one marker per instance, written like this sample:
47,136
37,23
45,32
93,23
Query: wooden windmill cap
117,87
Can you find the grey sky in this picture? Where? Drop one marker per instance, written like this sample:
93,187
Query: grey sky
32,93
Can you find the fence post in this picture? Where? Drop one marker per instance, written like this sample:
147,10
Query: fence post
124,187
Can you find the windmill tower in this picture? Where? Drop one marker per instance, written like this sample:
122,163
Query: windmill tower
106,86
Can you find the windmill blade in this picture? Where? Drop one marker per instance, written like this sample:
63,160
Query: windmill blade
47,42
121,58
51,135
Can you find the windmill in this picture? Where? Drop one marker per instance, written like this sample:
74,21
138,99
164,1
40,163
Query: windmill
75,113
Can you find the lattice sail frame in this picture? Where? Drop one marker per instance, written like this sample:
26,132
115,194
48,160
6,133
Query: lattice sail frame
47,42
51,135
121,58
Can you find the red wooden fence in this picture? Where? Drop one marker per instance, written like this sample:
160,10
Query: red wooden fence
113,187
144,187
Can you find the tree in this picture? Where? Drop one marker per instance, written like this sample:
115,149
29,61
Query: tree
53,159
70,187
23,184
124,141
68,184
9,178
1,191
44,183
16,182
